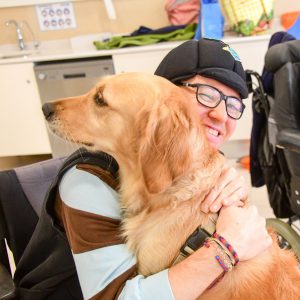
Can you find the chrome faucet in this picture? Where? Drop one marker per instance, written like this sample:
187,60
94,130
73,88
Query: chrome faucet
19,33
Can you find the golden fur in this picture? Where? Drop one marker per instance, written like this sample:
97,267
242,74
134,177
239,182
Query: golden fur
166,169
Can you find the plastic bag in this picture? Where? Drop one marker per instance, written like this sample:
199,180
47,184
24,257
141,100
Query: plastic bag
182,12
248,17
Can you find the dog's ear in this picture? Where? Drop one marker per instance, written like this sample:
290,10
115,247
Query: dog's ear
166,143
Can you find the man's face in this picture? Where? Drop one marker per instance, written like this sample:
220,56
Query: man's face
219,126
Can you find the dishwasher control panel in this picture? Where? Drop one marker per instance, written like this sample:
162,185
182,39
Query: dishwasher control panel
60,70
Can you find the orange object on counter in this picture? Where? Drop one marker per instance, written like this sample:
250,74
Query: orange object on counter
288,19
245,162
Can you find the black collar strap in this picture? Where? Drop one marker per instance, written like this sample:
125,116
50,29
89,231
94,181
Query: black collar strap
197,239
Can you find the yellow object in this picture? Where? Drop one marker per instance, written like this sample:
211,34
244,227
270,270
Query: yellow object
248,17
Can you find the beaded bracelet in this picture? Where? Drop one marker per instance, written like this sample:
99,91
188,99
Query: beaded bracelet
228,246
223,247
223,260
222,256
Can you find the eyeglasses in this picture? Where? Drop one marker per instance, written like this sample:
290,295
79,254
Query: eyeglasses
211,97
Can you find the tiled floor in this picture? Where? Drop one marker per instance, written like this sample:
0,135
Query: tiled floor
257,196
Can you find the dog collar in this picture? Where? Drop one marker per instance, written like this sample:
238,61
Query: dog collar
197,238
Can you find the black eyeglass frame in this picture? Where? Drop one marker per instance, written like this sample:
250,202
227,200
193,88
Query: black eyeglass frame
222,97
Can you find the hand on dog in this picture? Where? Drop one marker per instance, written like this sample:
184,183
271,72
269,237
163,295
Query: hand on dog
231,189
244,229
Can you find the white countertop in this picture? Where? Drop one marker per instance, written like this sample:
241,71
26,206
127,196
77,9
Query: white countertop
62,49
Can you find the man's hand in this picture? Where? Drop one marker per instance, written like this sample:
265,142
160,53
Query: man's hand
231,189
245,230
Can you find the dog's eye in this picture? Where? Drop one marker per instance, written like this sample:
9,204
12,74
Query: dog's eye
99,100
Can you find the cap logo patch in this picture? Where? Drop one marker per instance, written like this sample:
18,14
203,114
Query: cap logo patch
232,52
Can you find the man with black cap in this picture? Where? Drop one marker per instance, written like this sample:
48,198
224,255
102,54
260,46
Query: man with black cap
209,71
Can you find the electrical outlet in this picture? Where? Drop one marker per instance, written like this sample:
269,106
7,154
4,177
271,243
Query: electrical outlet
56,16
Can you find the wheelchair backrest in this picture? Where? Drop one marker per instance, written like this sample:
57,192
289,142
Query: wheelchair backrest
283,60
35,180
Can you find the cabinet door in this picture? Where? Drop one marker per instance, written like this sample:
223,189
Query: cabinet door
22,126
138,62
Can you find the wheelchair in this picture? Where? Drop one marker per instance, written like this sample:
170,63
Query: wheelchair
275,138
45,267
275,161
22,191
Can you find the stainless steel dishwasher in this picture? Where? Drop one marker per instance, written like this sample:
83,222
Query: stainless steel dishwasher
68,78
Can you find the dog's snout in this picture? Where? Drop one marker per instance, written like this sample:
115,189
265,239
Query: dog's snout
48,110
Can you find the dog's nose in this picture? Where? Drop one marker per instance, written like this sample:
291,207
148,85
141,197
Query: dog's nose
48,110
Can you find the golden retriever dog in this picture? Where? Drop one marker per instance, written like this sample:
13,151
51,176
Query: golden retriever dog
166,168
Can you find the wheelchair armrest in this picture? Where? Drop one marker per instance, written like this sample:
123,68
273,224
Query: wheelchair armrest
289,139
7,286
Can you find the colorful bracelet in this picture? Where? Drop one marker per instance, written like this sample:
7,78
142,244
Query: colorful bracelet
229,255
228,246
222,256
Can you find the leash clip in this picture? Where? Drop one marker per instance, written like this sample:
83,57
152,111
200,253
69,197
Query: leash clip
194,242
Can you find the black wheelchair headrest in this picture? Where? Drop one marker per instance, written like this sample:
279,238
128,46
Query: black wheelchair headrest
280,54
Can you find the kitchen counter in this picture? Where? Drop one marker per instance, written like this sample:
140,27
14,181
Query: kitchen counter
62,49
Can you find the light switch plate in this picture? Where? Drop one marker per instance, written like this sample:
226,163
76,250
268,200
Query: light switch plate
56,16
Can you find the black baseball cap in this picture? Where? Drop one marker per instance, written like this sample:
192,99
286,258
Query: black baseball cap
207,57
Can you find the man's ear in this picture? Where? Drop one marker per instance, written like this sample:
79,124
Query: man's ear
166,144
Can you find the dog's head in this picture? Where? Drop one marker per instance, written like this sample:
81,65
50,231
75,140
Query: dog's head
144,121
105,116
